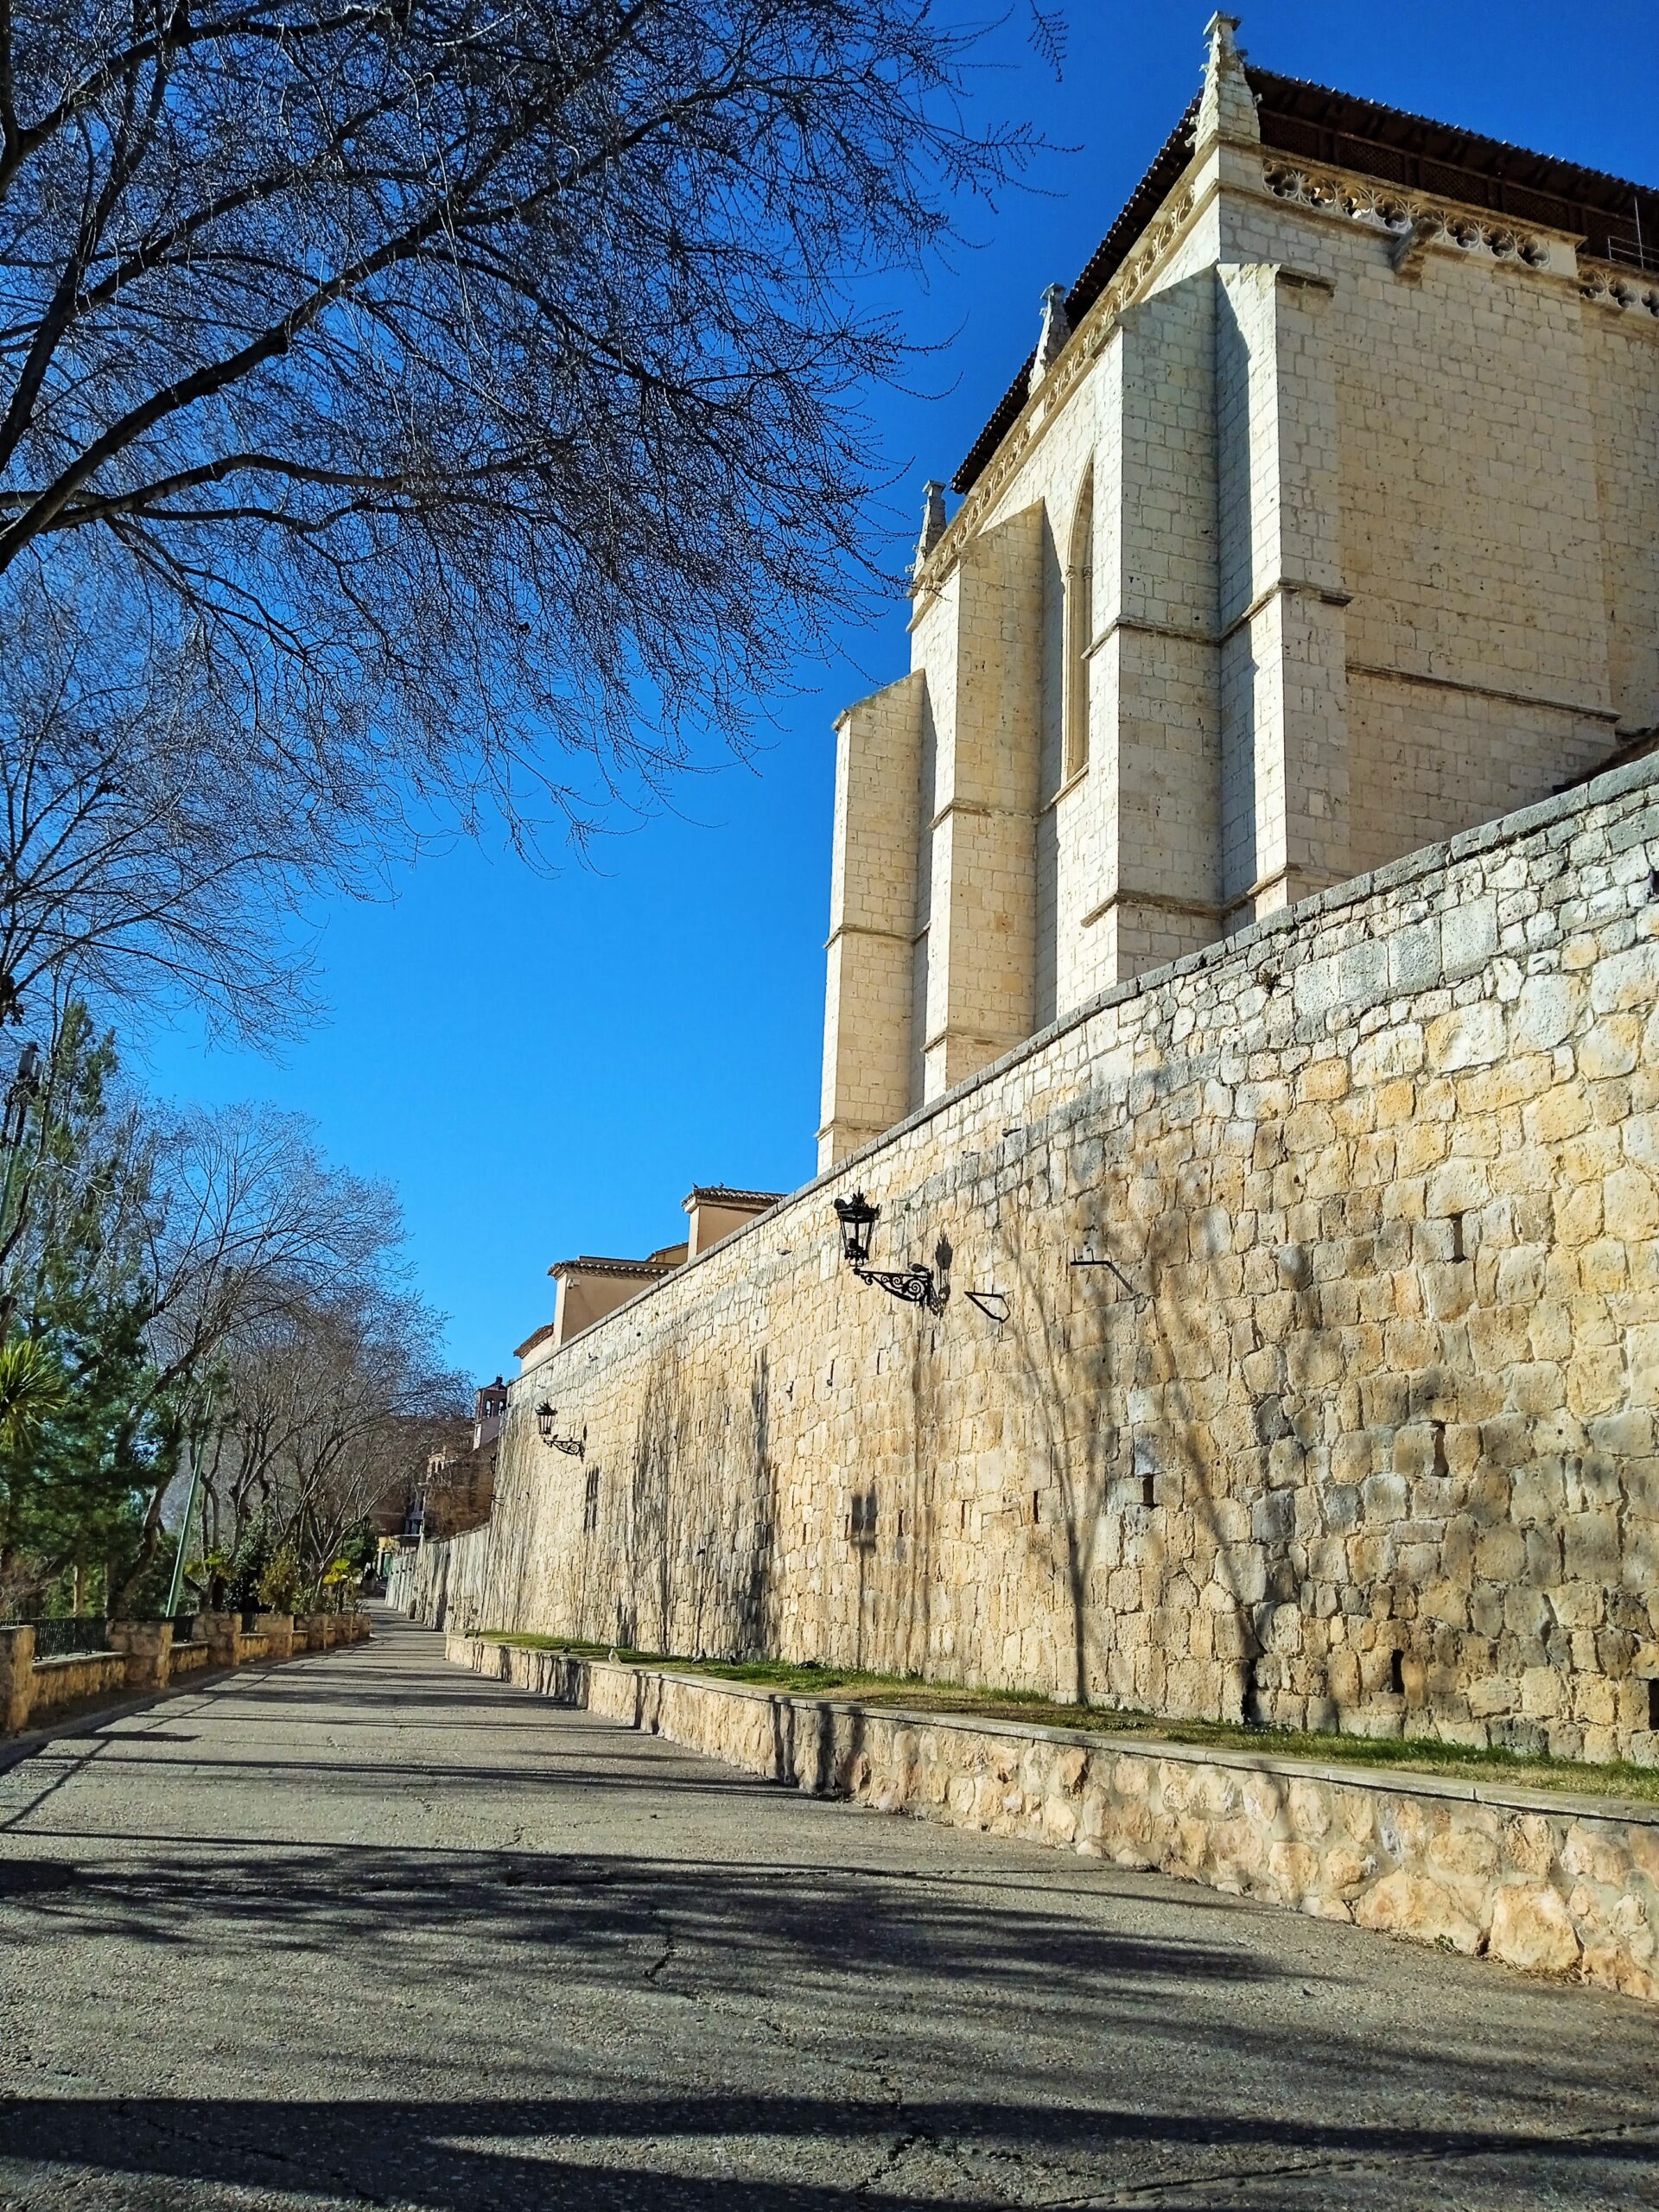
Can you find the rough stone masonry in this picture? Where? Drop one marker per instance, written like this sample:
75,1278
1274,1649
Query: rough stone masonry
1357,1429
1295,1348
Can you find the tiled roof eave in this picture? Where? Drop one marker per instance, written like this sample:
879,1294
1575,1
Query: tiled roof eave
589,1263
1285,105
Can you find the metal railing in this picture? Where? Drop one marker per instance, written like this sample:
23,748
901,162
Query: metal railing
68,1638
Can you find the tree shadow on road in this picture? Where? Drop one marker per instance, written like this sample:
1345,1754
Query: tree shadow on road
635,2153
973,1941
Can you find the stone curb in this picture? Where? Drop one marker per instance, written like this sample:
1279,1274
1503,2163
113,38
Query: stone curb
1540,1881
1358,1777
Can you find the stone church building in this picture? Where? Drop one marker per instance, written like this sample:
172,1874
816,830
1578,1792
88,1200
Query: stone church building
1322,524
1243,1018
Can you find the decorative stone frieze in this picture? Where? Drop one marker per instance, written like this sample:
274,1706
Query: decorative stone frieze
1402,214
1609,284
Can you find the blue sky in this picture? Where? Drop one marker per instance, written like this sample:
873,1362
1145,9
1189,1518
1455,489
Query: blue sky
544,1065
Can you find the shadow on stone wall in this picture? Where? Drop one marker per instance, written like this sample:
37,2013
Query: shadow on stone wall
1138,1492
686,1562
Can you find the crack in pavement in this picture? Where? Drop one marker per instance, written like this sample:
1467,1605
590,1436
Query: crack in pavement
331,1978
1446,2154
670,1947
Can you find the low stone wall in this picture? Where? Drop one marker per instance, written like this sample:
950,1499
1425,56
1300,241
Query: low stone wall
321,1631
143,1656
1554,1883
77,1675
277,1628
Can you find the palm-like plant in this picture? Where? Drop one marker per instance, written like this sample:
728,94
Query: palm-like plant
33,1392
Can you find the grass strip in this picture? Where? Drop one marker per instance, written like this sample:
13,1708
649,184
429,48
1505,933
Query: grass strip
1414,1754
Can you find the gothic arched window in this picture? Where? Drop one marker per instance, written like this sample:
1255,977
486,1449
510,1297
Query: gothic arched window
1079,627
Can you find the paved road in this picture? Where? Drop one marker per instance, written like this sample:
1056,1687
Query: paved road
367,1929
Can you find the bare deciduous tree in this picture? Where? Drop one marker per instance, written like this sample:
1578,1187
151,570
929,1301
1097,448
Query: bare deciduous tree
325,1405
148,851
431,403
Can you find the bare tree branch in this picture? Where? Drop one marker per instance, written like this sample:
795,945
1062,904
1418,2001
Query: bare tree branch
449,405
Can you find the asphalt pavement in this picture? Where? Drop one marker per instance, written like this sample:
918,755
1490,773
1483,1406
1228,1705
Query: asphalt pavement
369,1930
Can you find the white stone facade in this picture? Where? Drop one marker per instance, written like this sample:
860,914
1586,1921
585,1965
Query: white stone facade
1331,531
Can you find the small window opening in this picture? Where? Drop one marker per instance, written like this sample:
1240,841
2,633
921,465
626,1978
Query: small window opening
1442,1465
590,1501
1143,1462
1036,1510
1458,1250
861,1522
1397,1673
1653,1701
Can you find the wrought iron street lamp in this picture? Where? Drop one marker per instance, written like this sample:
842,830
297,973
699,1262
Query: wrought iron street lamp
914,1284
545,1417
857,1217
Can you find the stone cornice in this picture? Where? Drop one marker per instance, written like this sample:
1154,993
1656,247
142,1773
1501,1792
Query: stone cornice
1416,223
1630,291
1585,711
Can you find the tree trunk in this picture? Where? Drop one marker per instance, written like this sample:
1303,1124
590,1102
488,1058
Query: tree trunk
148,1543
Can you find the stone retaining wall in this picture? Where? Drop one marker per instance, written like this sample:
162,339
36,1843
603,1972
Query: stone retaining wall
445,1584
1356,1430
1558,1885
76,1676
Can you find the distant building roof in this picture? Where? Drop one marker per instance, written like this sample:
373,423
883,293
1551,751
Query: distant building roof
540,1337
721,1194
1311,122
589,1263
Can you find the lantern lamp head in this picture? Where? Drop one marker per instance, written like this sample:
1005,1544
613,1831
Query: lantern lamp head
544,1418
857,1217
